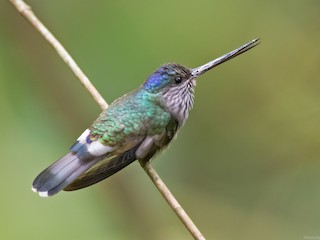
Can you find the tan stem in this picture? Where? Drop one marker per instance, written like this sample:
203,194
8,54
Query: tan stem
171,200
26,11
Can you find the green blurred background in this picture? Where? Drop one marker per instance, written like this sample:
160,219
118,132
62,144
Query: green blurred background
245,166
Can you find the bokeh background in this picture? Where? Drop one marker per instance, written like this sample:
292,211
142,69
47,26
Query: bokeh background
245,166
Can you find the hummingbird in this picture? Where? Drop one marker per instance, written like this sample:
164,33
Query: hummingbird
135,126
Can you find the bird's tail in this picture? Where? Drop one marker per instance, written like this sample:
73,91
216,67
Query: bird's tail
61,173
103,169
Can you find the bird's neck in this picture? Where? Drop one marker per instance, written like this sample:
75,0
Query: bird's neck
179,101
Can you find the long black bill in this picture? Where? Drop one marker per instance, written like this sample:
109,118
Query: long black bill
206,67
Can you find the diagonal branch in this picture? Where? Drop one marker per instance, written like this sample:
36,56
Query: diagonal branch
26,11
174,204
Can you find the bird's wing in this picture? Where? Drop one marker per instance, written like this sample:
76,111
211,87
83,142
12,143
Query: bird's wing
85,158
143,150
103,169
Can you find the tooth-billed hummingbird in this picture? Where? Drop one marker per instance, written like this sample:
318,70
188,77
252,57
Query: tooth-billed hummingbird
135,126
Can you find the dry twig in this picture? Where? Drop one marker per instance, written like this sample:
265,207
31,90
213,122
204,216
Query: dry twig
174,204
26,11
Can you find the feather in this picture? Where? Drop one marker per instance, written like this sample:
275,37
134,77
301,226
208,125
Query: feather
60,174
103,170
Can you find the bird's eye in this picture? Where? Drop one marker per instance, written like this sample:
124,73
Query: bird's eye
178,79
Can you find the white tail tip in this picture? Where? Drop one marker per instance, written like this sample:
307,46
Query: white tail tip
41,194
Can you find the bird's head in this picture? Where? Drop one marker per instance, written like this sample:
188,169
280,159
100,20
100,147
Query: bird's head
168,76
175,83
